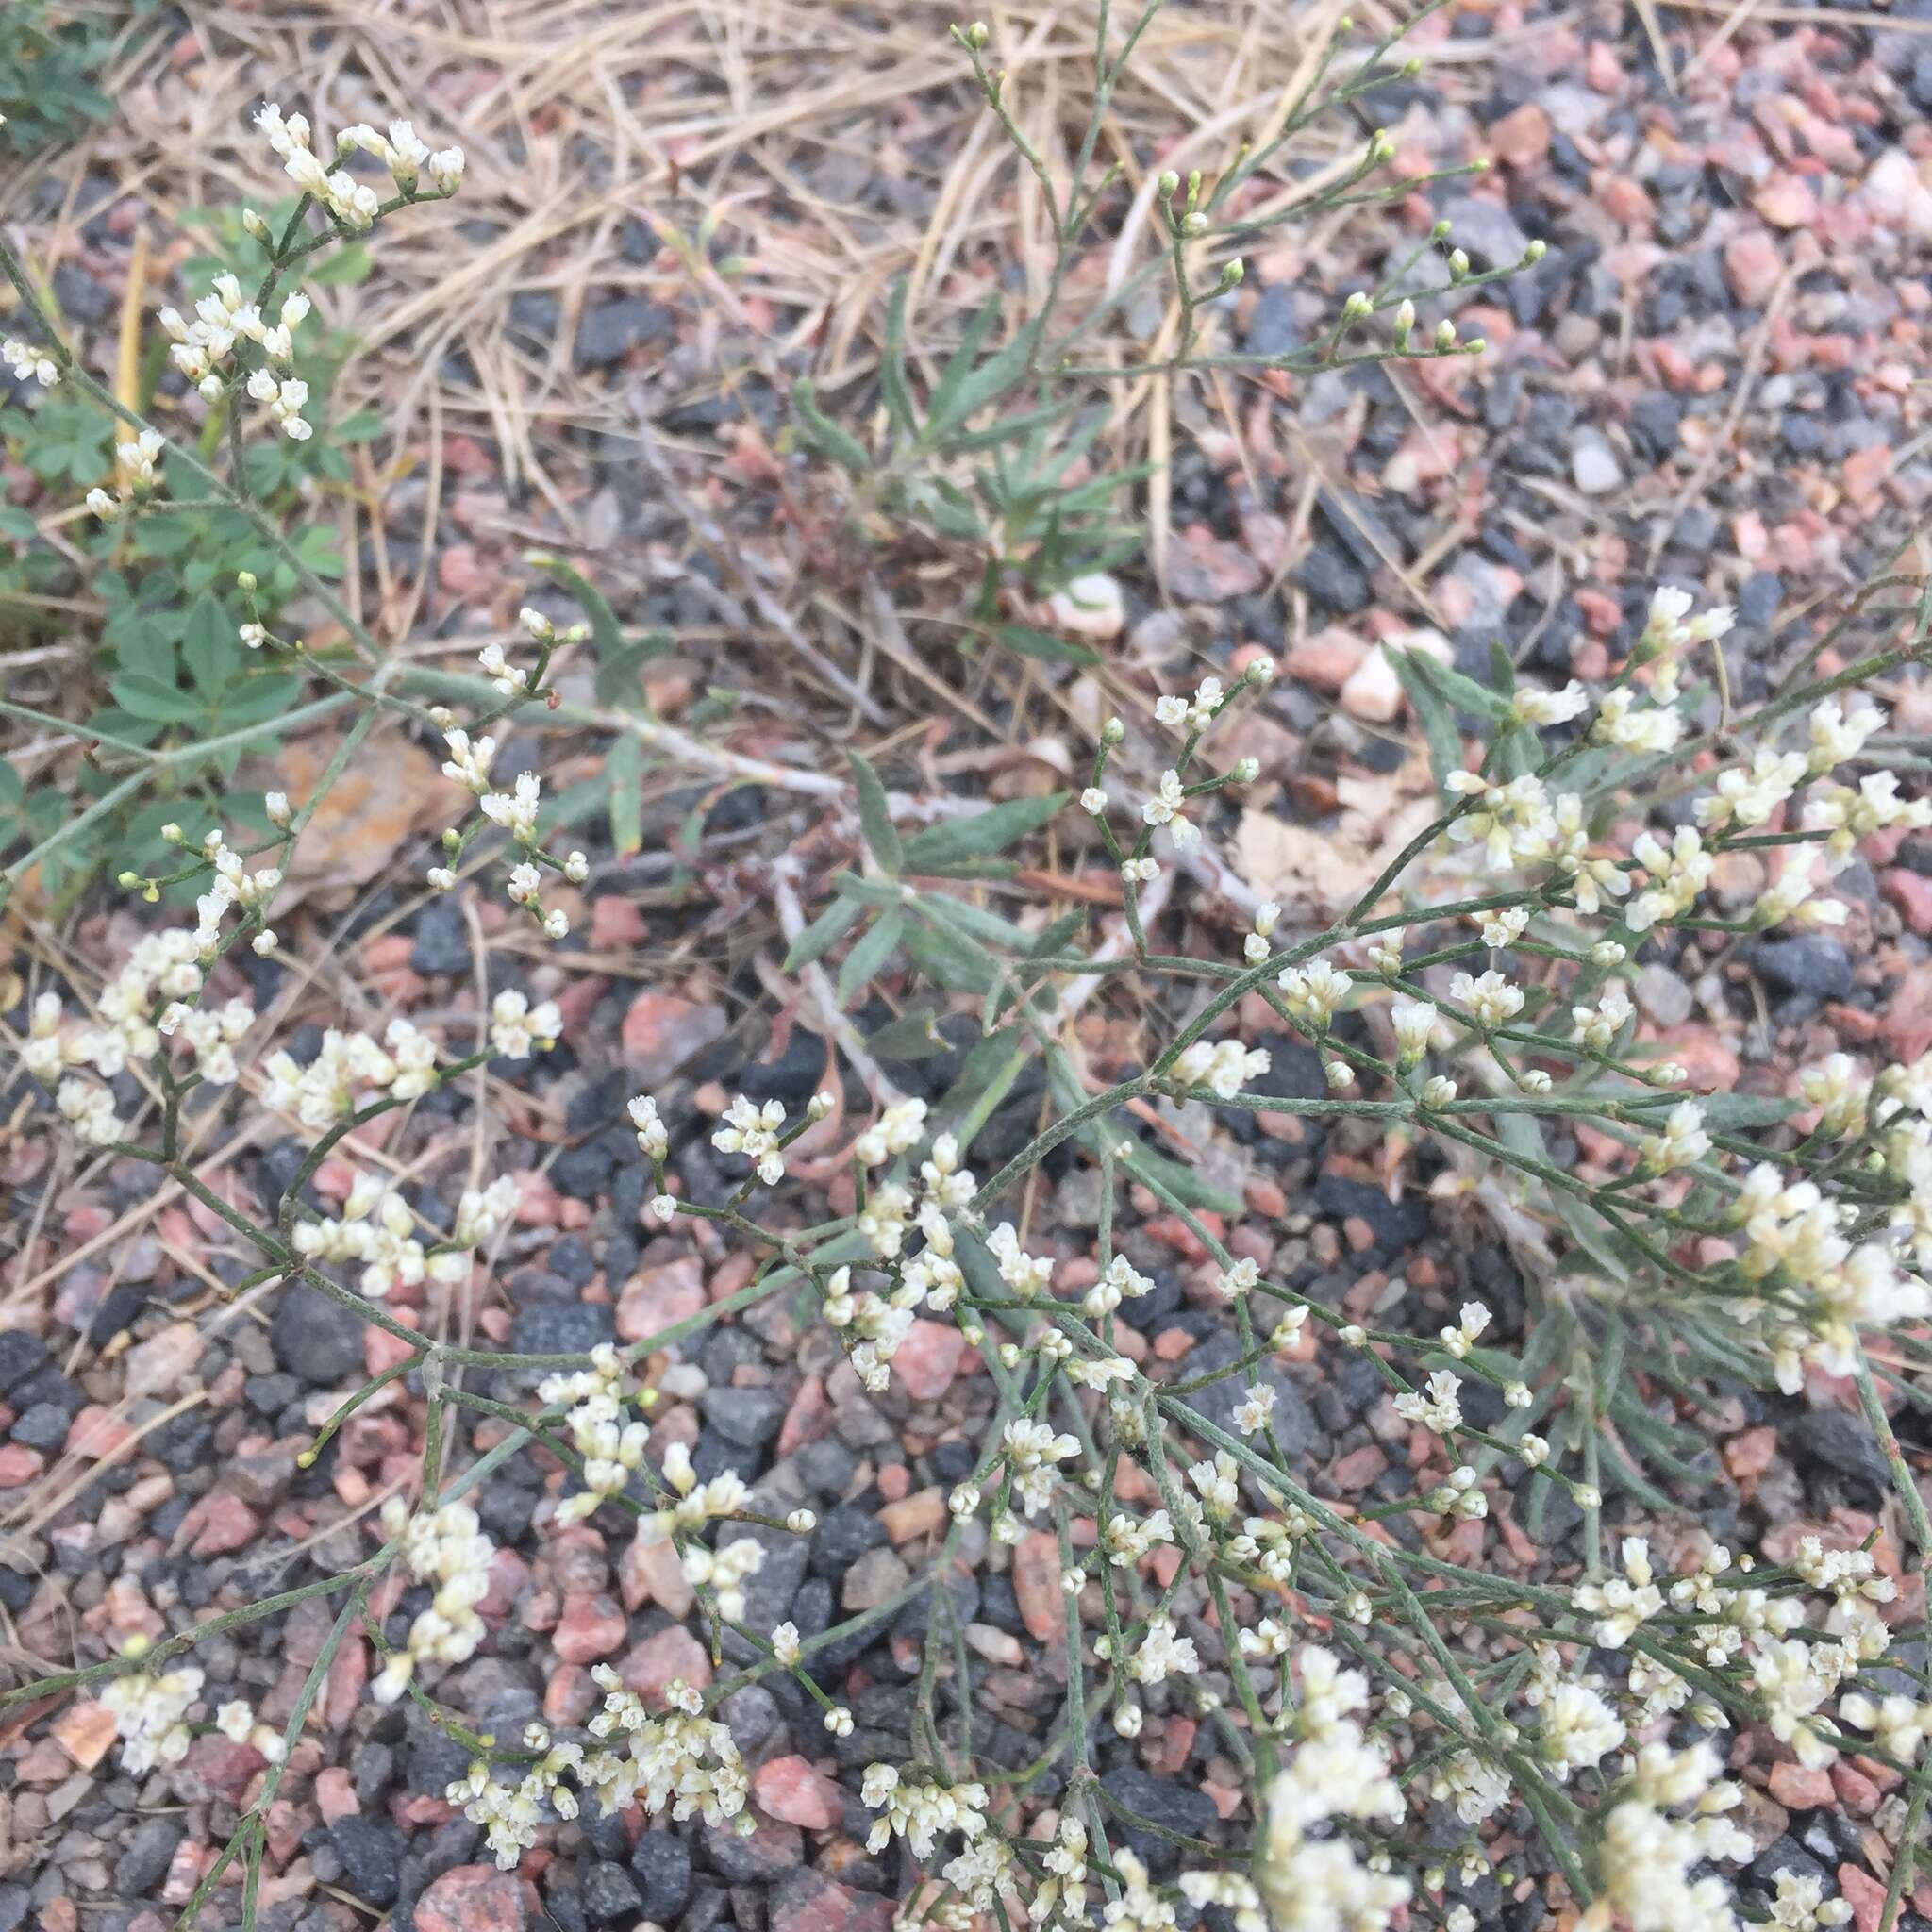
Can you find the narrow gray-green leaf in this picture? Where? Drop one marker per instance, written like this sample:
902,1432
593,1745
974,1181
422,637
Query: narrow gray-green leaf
871,955
913,1035
875,817
829,438
825,931
982,834
1043,645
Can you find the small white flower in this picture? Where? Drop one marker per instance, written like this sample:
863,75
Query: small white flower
1535,707
653,1138
1415,1020
1493,999
28,363
1165,808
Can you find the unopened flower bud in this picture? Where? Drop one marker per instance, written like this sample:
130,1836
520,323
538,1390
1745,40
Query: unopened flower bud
1112,731
1232,271
253,224
1458,265
247,582
1168,183
1247,771
1535,252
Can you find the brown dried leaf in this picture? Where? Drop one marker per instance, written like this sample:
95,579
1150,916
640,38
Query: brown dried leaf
1331,867
392,791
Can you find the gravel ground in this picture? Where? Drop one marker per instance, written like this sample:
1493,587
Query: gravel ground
1713,376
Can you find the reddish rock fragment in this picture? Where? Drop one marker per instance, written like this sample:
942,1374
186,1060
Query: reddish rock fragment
795,1792
473,1898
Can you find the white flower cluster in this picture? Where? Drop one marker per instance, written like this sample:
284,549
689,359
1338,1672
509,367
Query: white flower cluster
351,202
136,479
514,811
681,1760
1222,1066
605,1435
1818,1288
149,999
1031,1450
237,1720
1621,1604
753,1131
1191,714
347,1065
446,1548
28,363
1027,1274
204,348
1331,1772
150,1710
375,1228
1682,1143
1166,809
920,1812
724,1570
517,1028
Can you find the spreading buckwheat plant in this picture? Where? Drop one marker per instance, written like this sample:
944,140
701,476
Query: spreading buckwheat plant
1413,1702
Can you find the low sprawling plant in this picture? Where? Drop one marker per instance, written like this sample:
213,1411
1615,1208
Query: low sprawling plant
1360,1665
996,458
50,58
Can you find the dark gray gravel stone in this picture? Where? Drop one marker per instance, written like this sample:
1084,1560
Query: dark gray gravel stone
21,1355
1328,575
442,943
1272,329
316,1338
843,1537
562,1328
43,1426
610,1893
749,1417
372,1856
144,1863
1812,962
662,1864
1161,1801
1294,1420
612,329
1840,1441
